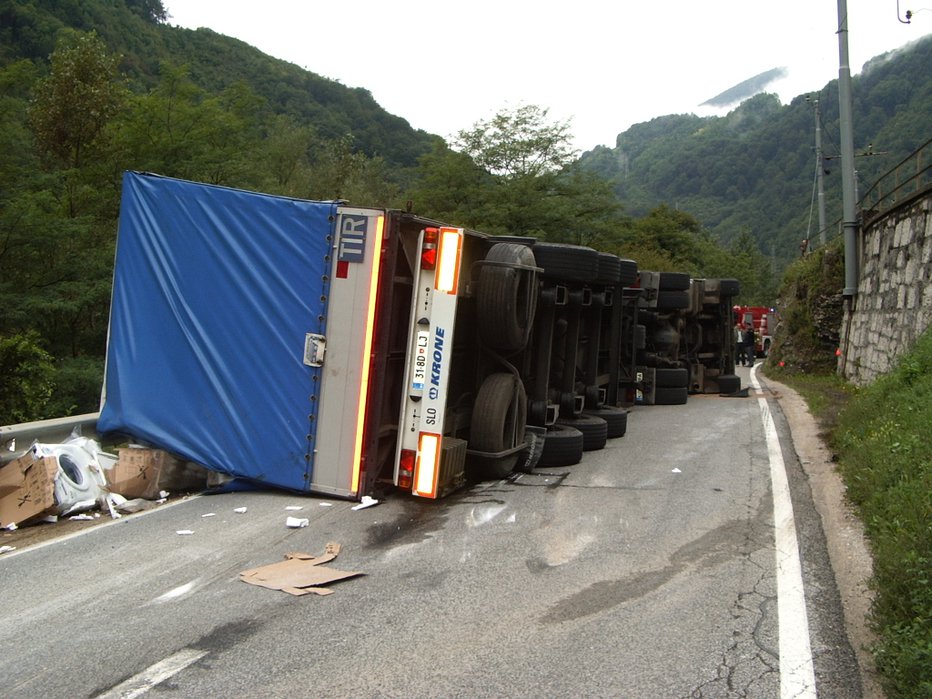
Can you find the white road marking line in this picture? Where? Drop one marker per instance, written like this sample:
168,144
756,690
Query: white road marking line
797,676
155,674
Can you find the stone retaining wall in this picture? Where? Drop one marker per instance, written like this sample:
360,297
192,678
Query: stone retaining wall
893,306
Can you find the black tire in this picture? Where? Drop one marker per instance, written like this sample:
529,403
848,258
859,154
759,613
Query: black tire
616,419
672,300
673,281
498,418
506,301
609,269
594,431
671,378
629,272
563,446
668,395
572,263
729,383
728,288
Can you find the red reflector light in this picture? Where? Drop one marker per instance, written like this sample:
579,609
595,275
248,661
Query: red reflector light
429,258
406,469
342,269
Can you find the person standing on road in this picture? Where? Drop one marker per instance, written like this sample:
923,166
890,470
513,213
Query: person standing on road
739,343
750,340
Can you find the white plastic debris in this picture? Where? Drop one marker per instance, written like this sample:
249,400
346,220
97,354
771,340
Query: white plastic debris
367,501
676,470
239,510
80,518
184,532
294,508
79,506
11,527
326,504
296,522
208,514
7,549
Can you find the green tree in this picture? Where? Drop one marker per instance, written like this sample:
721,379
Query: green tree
513,175
77,99
339,172
518,143
26,378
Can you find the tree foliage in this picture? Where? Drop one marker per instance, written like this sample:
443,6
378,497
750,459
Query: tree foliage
74,103
517,143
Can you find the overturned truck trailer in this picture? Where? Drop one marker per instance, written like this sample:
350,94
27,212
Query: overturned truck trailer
323,348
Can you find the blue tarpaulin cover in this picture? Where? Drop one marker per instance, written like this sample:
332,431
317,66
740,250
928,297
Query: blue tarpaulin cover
214,291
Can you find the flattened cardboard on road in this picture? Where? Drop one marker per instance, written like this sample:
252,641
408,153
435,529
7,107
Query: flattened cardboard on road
299,573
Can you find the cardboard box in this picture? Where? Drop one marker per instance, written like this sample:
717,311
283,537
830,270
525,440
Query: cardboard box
143,473
27,488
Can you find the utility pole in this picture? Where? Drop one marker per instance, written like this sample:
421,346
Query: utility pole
849,203
820,171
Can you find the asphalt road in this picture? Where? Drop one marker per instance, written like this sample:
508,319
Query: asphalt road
648,570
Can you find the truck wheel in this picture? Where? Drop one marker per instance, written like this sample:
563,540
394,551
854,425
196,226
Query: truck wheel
729,287
673,281
729,383
562,262
563,446
671,378
498,418
629,272
594,430
670,299
609,269
616,419
506,301
670,395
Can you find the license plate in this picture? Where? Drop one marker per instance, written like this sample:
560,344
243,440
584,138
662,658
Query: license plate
420,361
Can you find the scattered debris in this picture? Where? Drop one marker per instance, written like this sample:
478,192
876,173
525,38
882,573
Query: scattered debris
326,504
300,573
140,472
294,508
50,480
184,532
676,470
208,514
239,510
296,522
7,549
366,501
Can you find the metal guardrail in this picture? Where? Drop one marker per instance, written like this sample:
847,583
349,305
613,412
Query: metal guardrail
907,179
16,439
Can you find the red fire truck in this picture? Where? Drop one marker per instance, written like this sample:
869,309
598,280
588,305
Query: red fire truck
764,321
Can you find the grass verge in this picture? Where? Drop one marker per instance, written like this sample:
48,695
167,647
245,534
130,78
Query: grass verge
882,438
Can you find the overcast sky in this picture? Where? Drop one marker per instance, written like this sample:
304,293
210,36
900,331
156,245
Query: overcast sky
602,64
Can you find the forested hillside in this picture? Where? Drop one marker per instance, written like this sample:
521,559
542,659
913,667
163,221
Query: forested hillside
136,31
753,171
